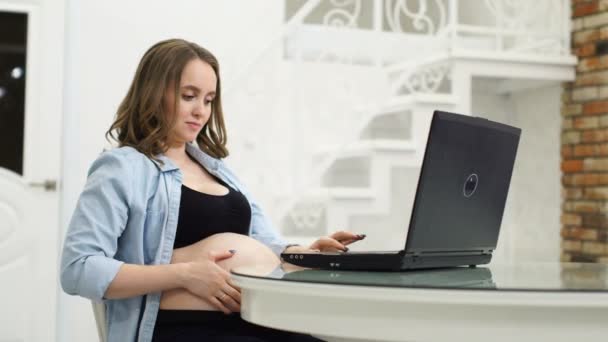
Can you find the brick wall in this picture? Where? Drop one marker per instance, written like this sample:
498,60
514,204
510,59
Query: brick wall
585,138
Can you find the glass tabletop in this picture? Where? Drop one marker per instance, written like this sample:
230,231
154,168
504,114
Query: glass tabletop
557,276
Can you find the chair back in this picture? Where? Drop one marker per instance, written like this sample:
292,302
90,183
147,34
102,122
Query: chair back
99,310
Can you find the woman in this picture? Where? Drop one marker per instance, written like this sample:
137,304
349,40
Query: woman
162,220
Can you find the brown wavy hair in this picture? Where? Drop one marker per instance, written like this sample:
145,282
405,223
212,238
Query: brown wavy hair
141,121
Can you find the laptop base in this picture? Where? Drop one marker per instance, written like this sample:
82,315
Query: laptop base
382,261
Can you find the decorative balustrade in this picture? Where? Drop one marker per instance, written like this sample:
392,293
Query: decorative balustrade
489,26
408,43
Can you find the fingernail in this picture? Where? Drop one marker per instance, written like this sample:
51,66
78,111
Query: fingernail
232,251
346,249
361,236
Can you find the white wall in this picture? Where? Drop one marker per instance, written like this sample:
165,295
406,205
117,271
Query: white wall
531,218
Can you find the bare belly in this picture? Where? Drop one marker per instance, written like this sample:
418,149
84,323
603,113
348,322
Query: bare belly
249,252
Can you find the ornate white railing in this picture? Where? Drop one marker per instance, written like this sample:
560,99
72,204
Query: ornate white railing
409,42
514,27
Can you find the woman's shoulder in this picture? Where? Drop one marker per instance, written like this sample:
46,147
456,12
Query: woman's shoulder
125,157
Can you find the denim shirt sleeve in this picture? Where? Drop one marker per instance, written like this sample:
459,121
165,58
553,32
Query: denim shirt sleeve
261,228
87,263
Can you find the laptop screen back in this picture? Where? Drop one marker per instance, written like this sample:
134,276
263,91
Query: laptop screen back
463,184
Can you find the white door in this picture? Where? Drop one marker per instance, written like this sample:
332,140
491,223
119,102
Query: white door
31,52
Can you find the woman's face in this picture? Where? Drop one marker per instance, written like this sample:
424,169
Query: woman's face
196,92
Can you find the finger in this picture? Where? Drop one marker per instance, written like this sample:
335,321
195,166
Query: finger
216,302
219,256
348,242
327,243
230,303
345,236
232,293
233,285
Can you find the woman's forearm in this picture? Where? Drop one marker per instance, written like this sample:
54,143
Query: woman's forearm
136,280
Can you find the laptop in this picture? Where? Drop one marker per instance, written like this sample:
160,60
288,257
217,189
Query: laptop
459,204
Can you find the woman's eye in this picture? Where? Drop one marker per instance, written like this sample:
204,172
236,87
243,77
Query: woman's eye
208,101
188,97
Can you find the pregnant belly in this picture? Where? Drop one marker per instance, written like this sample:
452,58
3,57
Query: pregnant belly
249,252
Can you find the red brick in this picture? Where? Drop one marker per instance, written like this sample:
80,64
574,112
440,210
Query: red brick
572,137
583,207
586,36
592,63
587,64
596,193
596,135
585,94
571,246
603,33
585,50
592,78
585,179
595,164
596,248
572,193
585,8
586,123
567,151
578,233
572,109
571,166
595,20
586,150
571,219
596,221
595,107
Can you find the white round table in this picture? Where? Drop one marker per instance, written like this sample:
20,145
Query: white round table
532,302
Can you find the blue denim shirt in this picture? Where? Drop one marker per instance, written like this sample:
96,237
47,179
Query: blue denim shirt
127,213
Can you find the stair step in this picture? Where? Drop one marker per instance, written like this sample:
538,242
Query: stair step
406,101
357,193
363,147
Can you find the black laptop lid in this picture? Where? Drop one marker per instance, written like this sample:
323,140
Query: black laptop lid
463,184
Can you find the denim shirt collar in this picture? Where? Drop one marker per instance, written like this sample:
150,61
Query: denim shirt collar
210,163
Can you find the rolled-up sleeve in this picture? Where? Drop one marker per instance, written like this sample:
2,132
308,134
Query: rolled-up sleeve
263,231
100,217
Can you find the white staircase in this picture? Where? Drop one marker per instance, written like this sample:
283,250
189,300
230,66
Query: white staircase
358,169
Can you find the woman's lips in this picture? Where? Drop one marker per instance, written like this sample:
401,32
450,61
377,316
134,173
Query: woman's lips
194,125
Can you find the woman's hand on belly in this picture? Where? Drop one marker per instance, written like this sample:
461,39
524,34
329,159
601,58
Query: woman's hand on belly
216,292
208,281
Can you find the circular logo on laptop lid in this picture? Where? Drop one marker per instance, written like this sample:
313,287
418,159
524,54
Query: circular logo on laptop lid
470,185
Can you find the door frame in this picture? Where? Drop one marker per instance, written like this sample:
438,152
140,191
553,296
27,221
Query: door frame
44,301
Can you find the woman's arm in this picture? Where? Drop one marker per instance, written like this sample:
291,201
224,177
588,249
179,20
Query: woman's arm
87,261
88,264
200,275
136,280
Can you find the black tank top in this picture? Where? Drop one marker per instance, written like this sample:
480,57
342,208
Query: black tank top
202,215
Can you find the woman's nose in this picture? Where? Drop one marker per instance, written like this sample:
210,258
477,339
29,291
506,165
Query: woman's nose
199,108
